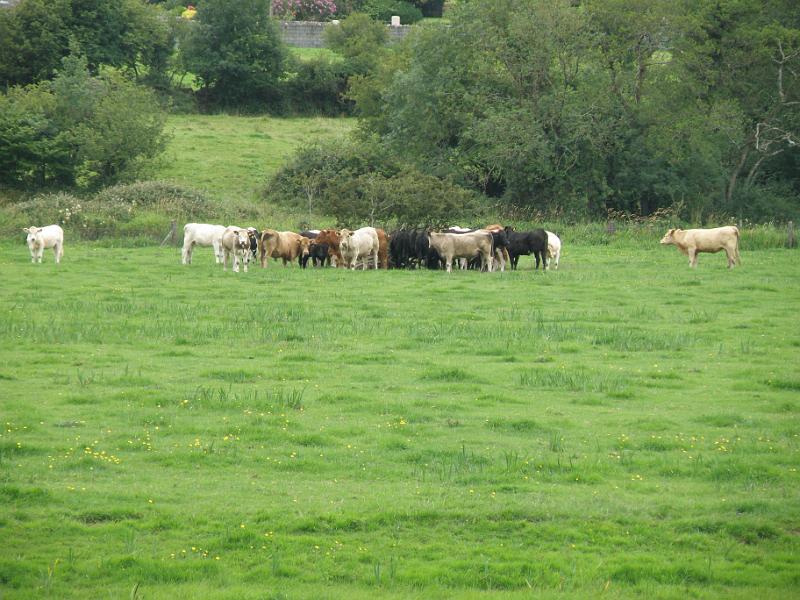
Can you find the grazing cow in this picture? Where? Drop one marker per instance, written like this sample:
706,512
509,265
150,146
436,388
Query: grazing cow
693,241
202,234
39,238
359,244
553,249
463,245
253,235
286,245
527,242
236,243
331,238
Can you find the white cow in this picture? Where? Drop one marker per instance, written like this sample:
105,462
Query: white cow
359,244
202,234
553,249
693,241
236,242
39,238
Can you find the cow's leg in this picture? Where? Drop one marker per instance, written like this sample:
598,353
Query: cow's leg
224,259
39,254
692,257
216,245
57,252
489,259
375,259
245,260
263,257
186,255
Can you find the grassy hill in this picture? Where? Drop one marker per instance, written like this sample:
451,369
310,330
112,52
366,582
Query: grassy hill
232,156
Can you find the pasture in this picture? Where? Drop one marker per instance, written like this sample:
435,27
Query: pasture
624,427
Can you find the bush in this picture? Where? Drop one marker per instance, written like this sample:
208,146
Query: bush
317,87
78,130
384,10
362,183
137,210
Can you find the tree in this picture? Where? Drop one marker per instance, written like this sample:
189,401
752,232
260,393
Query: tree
236,52
125,34
77,129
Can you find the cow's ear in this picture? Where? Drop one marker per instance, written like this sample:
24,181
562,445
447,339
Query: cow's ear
26,230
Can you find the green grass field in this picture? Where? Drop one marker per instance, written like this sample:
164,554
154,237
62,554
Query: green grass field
624,427
232,157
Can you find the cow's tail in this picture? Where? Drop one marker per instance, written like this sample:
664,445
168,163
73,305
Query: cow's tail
737,257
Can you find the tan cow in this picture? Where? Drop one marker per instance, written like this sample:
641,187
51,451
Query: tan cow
693,241
463,245
286,245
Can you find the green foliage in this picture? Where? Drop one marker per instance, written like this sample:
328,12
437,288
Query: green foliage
360,39
236,53
125,34
383,11
317,86
609,104
138,210
360,183
77,129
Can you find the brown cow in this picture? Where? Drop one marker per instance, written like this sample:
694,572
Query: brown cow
285,245
383,249
331,237
693,241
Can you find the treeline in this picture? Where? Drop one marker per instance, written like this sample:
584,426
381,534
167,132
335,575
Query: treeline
571,108
577,108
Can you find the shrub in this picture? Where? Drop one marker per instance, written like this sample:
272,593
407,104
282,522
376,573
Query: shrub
384,10
137,210
362,182
78,130
317,87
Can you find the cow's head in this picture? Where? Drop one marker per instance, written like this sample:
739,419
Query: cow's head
253,235
345,235
669,237
241,239
305,244
32,232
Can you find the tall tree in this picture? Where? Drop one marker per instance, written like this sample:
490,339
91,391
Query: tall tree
236,52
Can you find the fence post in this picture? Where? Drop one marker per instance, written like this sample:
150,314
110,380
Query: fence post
611,227
791,239
170,237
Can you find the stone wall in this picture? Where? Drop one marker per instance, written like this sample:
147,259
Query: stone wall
308,34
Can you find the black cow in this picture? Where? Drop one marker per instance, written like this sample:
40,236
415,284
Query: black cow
527,242
318,253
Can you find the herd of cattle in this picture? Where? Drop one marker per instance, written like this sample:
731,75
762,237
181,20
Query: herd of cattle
489,248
